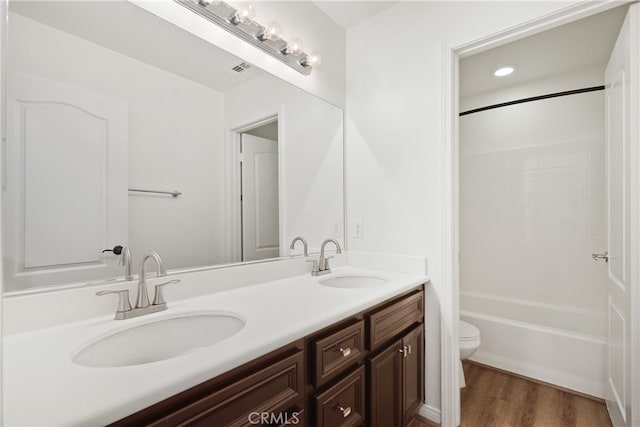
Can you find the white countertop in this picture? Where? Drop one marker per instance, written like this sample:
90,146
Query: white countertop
41,385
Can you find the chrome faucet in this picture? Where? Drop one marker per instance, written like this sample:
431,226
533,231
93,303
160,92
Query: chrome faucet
124,310
304,244
321,267
143,296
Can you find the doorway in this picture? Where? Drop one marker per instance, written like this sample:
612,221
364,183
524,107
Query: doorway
259,192
614,337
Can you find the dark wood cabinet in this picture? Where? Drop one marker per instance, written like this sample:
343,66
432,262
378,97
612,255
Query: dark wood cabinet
412,373
337,351
272,384
390,321
367,370
343,404
396,386
385,387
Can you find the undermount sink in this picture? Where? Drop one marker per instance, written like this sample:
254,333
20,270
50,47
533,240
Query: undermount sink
353,281
162,339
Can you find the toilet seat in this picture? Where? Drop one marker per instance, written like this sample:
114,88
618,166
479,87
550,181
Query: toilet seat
468,332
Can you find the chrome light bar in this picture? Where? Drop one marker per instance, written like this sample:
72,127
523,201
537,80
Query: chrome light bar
225,16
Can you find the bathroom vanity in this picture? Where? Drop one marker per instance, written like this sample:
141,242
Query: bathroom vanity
307,347
367,369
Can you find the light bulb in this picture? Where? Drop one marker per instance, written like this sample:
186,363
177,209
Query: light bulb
245,13
272,31
504,71
313,59
294,47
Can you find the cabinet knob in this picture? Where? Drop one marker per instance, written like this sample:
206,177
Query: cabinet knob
345,411
345,351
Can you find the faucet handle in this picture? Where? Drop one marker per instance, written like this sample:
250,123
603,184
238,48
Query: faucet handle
158,298
123,300
326,262
315,265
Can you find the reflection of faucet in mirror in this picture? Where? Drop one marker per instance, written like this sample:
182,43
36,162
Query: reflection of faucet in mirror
322,266
143,306
304,244
125,259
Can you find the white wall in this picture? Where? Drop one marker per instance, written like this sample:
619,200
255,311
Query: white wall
576,79
170,119
311,151
394,128
300,19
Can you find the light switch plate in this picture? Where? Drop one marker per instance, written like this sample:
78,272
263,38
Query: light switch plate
337,229
358,229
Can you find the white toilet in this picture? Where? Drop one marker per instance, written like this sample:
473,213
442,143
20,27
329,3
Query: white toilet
469,339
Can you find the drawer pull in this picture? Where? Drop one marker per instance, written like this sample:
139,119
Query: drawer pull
345,411
345,351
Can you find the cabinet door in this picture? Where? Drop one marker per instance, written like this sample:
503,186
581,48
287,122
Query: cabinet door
385,387
412,372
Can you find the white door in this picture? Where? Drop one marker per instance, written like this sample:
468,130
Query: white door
65,197
260,219
622,77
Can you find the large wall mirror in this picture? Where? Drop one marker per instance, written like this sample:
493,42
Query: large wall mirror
123,129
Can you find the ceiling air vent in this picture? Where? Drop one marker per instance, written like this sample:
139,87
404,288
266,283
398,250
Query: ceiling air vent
241,67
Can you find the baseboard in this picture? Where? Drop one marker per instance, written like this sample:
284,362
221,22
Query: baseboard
429,412
561,379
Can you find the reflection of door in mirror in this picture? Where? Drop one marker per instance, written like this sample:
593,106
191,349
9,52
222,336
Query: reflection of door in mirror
65,197
259,193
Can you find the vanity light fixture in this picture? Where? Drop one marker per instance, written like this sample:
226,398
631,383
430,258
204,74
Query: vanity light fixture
313,59
245,14
241,22
271,31
294,47
502,72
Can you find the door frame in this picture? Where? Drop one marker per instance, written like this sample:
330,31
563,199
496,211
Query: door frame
451,55
233,191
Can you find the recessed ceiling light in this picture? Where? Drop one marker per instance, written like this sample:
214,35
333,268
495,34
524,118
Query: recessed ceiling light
504,71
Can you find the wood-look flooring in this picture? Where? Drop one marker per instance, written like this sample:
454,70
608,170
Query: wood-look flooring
418,421
494,398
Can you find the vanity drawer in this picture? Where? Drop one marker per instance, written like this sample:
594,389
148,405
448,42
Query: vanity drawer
332,354
277,389
388,322
342,404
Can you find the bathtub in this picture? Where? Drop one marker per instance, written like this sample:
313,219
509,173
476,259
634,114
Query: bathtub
555,344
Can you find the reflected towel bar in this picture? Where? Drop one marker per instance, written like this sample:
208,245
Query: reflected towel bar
171,193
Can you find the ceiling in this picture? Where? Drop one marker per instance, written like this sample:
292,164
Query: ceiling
350,13
570,47
134,32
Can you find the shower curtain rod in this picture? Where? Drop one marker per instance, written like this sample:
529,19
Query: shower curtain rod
534,98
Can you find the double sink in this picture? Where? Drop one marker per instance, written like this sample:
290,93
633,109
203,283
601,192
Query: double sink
173,336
